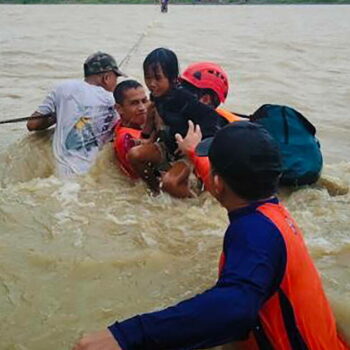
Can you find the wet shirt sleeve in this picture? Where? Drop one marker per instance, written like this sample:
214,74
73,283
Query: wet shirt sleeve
254,265
48,106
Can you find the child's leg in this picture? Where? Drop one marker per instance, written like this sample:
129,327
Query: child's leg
176,180
143,159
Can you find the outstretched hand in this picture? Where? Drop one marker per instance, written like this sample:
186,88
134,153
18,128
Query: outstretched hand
191,140
102,340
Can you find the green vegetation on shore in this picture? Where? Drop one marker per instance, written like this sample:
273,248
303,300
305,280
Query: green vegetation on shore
224,2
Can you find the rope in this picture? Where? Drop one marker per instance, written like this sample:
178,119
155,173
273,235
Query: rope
18,120
125,60
134,48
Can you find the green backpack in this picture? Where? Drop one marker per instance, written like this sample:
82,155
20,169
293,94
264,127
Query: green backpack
301,154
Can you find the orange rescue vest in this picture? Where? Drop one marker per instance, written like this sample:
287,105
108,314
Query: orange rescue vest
201,168
297,316
122,144
230,117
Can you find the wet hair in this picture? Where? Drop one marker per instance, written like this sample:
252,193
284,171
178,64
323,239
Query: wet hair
166,60
121,88
215,102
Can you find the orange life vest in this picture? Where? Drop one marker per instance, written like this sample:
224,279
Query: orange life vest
201,168
297,316
122,144
230,117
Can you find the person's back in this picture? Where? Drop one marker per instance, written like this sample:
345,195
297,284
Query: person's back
294,312
84,115
85,120
298,313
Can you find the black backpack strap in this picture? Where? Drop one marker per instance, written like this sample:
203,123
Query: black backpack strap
241,115
259,113
261,338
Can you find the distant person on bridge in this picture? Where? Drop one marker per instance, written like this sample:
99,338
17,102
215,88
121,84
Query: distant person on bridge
164,6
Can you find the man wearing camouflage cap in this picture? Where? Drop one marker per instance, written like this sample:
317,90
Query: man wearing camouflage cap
84,114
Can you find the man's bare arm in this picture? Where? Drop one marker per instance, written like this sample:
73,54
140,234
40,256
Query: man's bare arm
40,121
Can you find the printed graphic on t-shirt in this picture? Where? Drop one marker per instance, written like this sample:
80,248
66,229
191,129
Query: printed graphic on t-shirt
81,136
87,131
107,121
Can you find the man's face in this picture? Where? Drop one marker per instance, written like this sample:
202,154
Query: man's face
133,110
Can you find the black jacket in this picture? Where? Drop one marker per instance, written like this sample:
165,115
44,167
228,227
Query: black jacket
177,108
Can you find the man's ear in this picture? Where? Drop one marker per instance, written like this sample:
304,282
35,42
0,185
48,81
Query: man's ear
104,80
119,108
218,185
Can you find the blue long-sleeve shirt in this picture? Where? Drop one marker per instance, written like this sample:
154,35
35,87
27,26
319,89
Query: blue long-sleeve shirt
255,261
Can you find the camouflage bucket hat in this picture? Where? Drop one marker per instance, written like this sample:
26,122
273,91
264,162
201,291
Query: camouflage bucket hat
101,62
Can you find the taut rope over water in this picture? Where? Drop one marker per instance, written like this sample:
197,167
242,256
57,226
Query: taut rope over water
124,61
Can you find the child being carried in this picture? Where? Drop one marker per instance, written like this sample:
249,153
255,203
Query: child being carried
157,160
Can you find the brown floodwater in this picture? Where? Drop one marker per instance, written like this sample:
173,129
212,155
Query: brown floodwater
77,255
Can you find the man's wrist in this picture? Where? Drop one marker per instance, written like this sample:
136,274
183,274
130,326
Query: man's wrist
129,333
191,152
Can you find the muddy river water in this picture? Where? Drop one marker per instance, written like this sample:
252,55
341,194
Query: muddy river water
77,255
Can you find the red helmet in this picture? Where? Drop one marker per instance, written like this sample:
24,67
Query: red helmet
207,75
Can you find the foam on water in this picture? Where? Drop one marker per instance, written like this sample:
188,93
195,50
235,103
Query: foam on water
77,255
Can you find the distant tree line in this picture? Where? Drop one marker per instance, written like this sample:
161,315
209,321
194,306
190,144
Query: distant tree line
255,2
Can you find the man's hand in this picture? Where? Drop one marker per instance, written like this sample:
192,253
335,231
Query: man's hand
102,340
39,121
191,140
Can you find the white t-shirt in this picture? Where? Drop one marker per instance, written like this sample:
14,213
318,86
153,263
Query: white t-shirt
85,121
